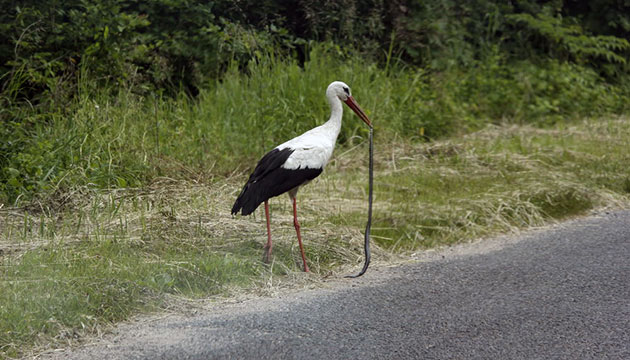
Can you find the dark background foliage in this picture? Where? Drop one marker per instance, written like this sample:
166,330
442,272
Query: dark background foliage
172,44
459,64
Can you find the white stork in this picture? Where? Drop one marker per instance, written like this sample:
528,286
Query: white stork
296,162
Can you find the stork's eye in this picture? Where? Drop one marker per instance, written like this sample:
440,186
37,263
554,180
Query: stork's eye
346,90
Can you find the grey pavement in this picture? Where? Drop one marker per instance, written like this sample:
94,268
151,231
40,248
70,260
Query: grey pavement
561,292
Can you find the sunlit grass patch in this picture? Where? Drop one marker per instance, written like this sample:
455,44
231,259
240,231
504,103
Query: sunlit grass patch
496,180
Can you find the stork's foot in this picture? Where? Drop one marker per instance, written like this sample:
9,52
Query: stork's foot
267,254
306,269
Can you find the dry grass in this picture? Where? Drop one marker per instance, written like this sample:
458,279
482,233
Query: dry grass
174,242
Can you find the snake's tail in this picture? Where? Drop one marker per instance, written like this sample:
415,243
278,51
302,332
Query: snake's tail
369,222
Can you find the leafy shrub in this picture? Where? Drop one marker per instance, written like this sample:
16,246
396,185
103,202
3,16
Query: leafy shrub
569,41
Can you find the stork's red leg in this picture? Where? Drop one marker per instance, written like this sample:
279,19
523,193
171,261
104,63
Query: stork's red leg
297,230
267,248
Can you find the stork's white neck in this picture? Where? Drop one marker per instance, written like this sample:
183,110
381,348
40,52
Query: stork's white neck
314,148
336,113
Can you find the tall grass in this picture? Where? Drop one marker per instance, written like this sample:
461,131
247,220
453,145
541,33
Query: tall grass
120,140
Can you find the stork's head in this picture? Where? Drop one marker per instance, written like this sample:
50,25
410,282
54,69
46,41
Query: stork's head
340,90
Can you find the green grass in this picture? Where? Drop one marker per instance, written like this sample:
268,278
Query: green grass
105,255
66,274
502,179
108,139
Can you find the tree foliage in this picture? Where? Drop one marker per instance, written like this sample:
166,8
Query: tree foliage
180,44
569,42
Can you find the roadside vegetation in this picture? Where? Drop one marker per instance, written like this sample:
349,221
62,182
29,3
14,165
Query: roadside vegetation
127,129
111,253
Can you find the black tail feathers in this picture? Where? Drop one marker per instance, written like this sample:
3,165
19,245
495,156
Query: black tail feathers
247,202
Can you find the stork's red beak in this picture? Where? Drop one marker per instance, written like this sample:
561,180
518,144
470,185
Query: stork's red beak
357,109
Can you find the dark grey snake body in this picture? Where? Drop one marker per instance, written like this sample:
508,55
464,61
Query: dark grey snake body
369,222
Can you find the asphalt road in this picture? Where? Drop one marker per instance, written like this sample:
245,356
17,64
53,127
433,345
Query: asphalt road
558,293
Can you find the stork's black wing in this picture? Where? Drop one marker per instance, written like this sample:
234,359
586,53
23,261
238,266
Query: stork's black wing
270,179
